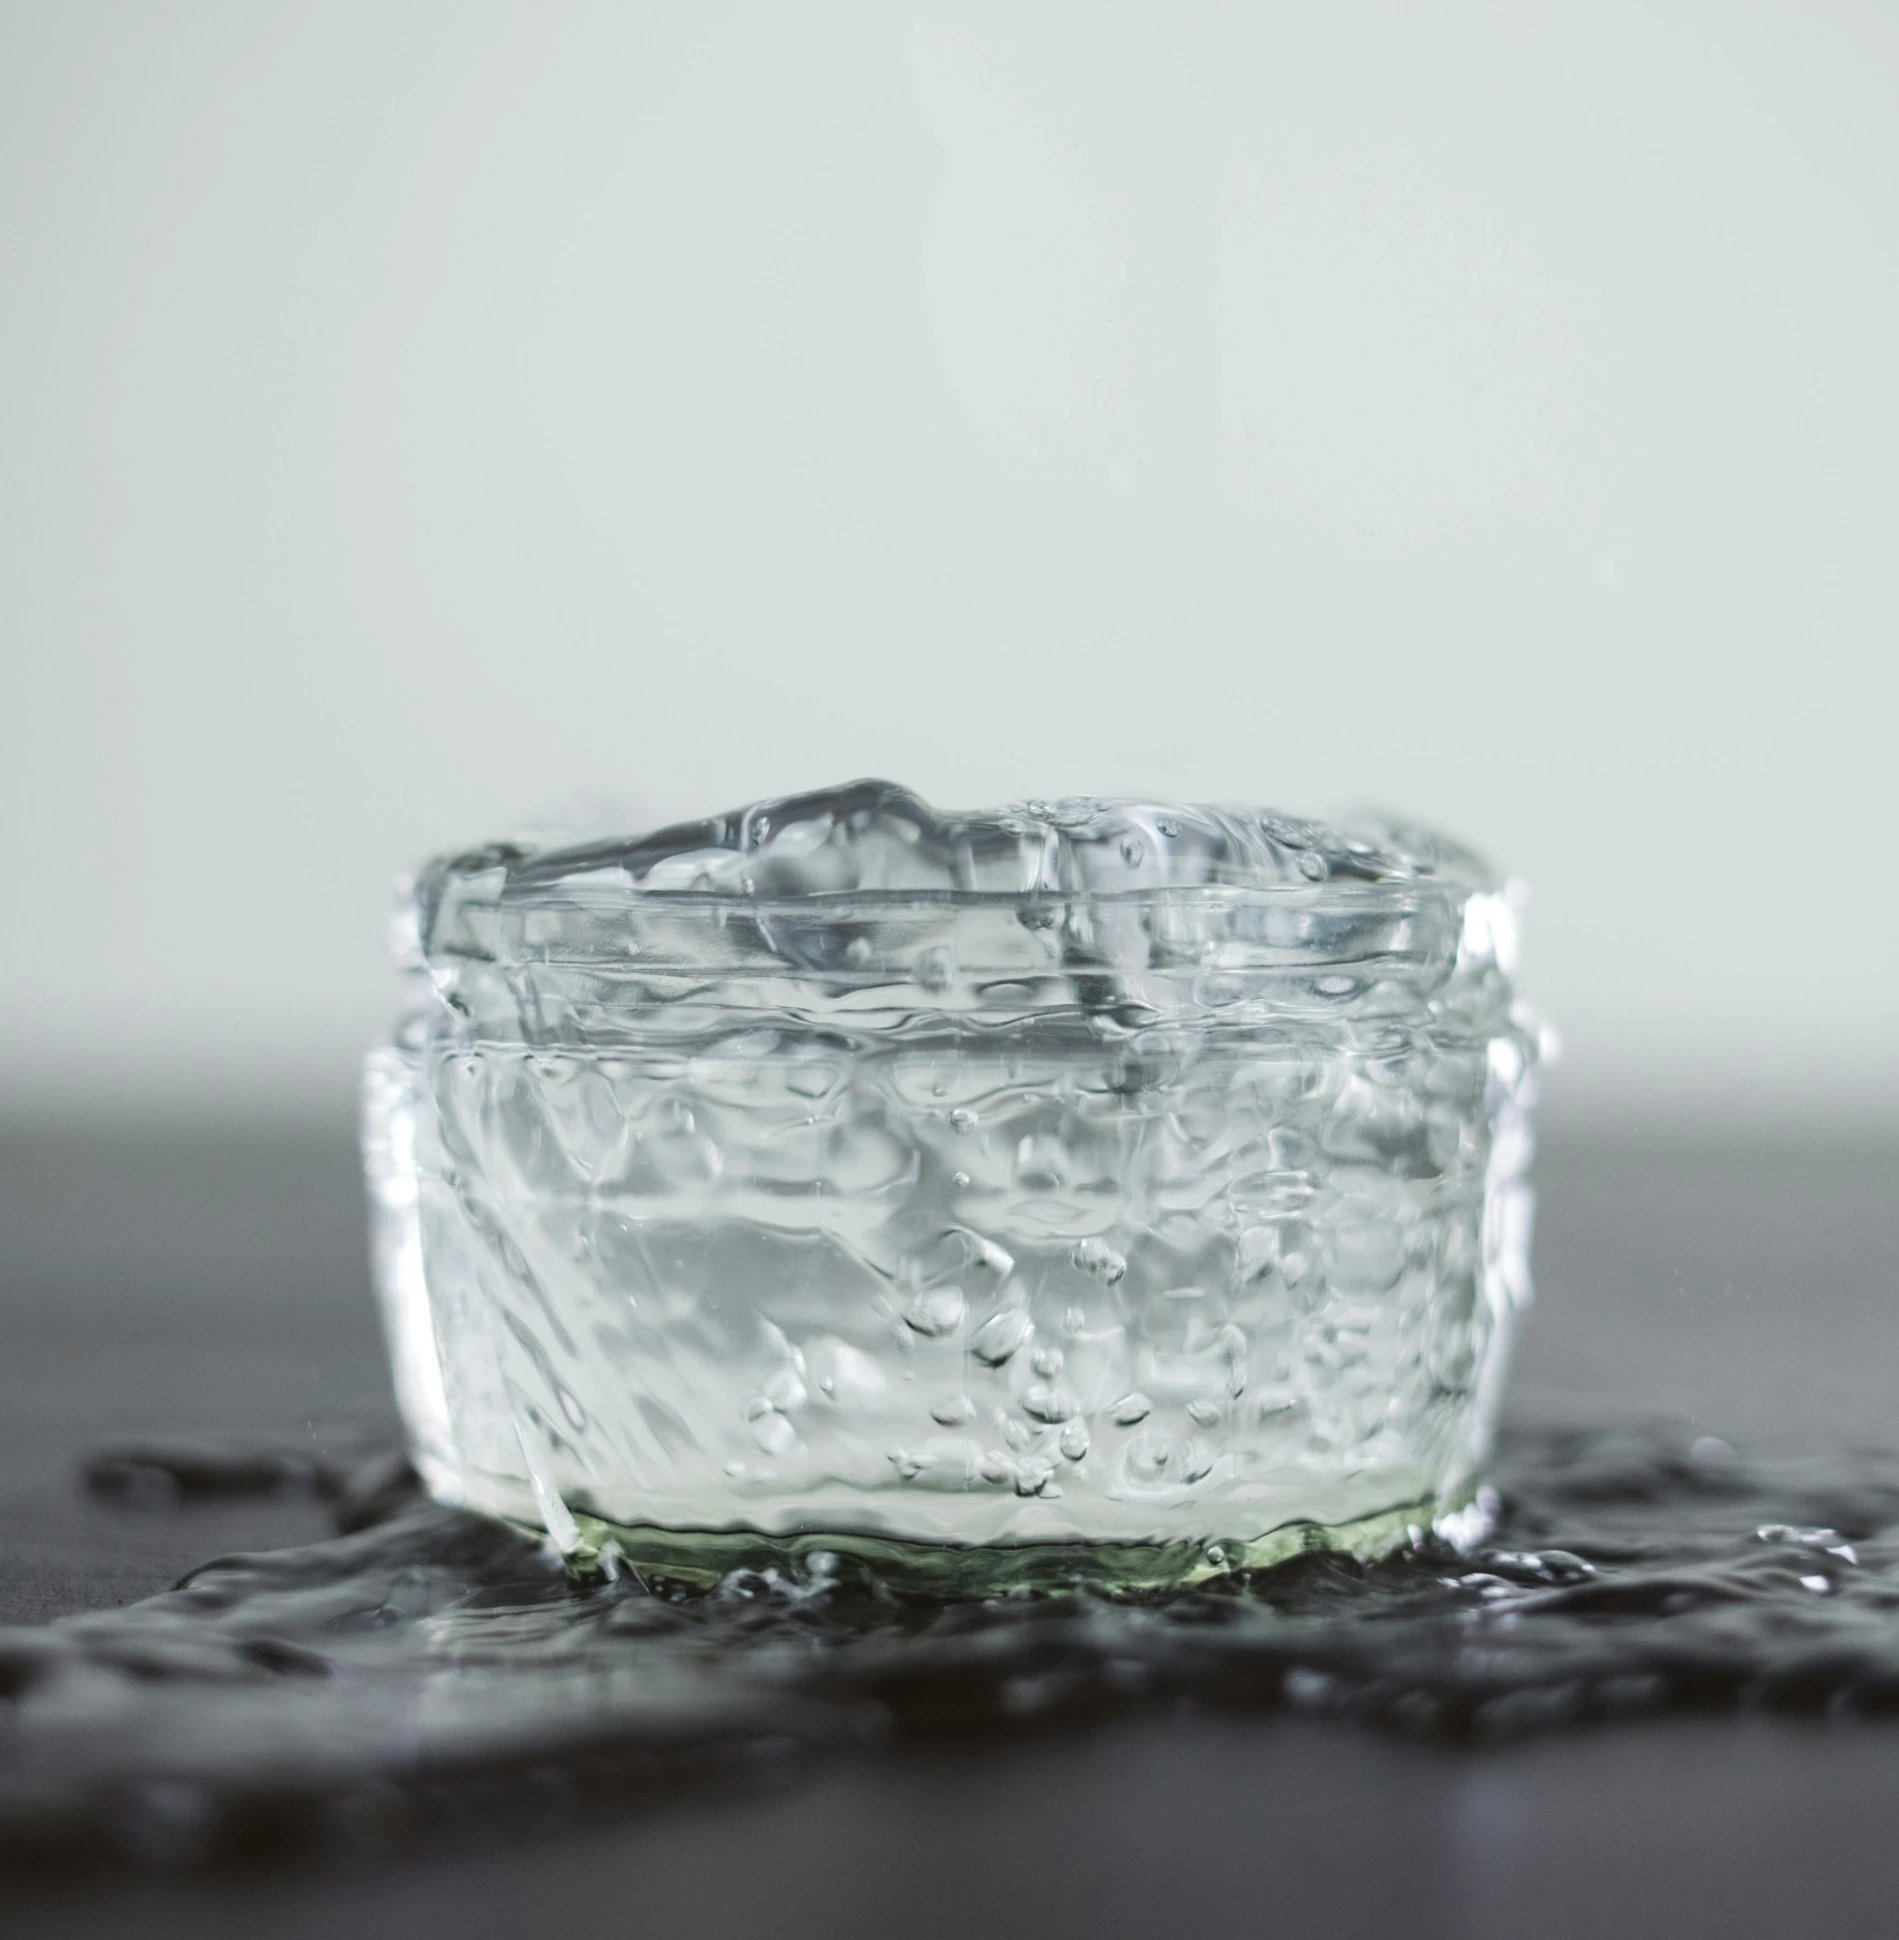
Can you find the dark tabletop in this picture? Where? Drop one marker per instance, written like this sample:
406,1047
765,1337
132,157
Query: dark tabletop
178,1282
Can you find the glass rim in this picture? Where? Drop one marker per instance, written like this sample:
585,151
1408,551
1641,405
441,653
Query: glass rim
1353,891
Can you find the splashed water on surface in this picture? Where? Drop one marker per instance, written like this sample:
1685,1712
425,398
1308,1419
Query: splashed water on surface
426,1669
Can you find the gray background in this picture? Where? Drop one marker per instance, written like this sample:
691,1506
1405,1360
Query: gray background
414,413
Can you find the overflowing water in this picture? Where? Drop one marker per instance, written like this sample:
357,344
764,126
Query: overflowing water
1077,1182
1091,1172
428,1669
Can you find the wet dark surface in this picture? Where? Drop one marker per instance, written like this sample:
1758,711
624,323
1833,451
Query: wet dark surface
1013,1770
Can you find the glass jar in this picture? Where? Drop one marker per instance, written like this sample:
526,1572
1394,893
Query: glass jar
1090,1190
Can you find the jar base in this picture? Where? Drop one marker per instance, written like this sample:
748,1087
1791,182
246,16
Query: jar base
696,1560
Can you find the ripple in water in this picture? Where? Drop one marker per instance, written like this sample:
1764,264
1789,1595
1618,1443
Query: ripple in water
427,1670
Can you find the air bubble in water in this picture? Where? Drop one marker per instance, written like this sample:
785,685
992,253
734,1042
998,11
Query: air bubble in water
935,1312
1000,1336
1094,1255
1051,1401
936,969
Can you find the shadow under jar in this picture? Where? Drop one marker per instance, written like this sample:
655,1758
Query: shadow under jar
1085,1191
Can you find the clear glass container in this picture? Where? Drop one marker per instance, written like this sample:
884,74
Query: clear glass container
1097,1190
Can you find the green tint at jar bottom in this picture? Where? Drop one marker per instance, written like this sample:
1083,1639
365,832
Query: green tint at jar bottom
698,1559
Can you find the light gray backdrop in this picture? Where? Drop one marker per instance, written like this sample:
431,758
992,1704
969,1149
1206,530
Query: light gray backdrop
414,412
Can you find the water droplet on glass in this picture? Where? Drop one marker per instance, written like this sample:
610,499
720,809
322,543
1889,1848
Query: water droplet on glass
1130,1409
1074,1441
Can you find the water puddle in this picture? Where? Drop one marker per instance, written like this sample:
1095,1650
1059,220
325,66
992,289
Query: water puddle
426,1671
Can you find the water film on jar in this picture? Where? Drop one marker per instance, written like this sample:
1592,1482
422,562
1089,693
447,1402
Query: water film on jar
1083,1191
